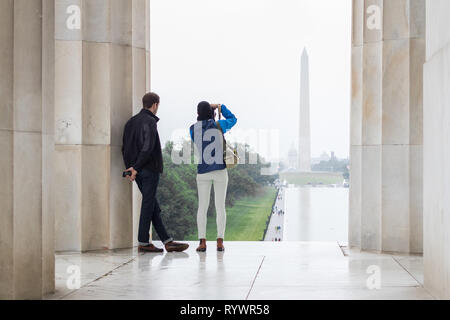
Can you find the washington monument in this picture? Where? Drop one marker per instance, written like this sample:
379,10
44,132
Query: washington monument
304,145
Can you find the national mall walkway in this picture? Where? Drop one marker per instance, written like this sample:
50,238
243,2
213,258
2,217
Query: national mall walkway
275,228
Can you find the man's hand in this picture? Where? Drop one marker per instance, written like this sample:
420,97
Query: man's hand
216,106
133,174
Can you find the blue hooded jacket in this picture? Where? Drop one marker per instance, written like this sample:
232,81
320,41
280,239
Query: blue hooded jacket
205,142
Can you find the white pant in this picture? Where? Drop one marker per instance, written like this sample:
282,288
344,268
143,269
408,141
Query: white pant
204,182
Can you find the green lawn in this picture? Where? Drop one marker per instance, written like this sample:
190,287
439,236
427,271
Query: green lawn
301,179
246,221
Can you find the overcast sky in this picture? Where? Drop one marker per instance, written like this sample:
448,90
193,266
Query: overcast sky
246,54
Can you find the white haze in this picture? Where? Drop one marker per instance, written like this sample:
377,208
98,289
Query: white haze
246,54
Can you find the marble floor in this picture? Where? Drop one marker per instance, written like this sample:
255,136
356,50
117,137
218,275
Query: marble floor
247,270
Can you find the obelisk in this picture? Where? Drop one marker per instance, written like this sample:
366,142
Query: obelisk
304,146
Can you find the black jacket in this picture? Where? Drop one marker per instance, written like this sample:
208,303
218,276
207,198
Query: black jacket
141,145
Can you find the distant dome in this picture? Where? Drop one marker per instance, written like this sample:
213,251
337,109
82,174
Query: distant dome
292,152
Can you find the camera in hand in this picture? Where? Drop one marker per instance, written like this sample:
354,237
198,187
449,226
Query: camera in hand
126,174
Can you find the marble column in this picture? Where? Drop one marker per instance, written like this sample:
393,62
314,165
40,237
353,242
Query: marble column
436,120
101,68
141,83
386,125
26,141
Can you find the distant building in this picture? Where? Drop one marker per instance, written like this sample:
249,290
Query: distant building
333,156
292,159
323,157
304,144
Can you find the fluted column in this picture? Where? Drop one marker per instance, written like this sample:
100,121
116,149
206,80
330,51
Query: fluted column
26,143
100,67
48,145
141,82
386,125
436,182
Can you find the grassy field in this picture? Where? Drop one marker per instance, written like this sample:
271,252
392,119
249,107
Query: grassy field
301,179
246,221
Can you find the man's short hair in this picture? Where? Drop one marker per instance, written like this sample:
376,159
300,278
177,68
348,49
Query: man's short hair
150,99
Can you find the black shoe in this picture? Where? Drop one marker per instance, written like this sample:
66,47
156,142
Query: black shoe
176,247
150,248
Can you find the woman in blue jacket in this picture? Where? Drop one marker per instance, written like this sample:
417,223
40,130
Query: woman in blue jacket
212,170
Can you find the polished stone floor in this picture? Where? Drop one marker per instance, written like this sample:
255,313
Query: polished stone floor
247,270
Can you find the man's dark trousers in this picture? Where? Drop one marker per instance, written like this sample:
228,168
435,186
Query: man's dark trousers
147,182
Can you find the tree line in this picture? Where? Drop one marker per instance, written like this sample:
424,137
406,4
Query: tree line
177,191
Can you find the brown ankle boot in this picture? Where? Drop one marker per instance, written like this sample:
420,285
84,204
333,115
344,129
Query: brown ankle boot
220,246
202,246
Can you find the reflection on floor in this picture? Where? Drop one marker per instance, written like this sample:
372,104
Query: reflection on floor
247,270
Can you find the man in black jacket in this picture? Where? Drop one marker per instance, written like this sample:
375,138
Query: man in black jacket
142,155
